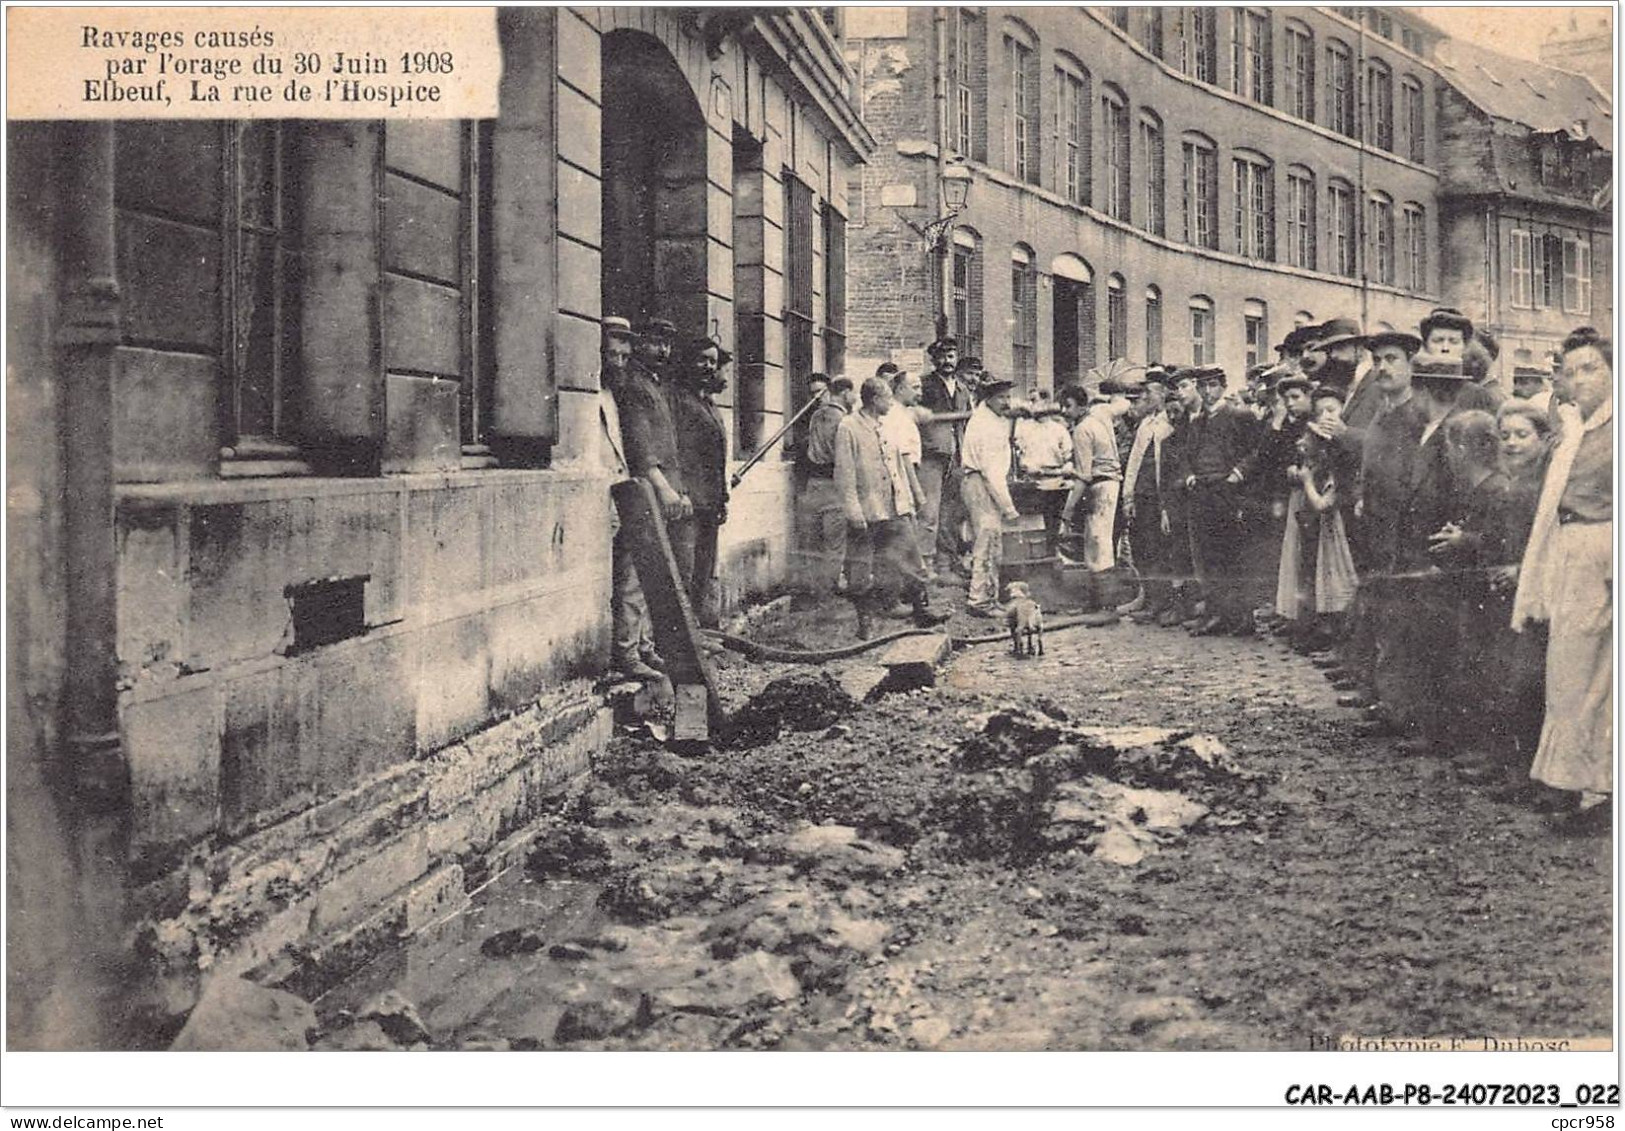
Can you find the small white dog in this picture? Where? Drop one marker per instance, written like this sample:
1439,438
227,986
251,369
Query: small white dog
1025,618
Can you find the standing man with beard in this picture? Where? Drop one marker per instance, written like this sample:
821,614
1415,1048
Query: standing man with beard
945,395
702,450
1222,437
651,434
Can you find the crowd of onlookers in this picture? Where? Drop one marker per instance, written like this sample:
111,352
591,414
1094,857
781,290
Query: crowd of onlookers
1378,500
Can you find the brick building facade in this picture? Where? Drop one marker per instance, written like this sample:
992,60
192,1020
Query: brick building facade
305,481
1176,184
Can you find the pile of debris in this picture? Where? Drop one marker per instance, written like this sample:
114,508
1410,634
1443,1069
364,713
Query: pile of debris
800,701
1030,783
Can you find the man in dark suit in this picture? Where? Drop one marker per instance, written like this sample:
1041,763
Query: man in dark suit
1222,438
945,394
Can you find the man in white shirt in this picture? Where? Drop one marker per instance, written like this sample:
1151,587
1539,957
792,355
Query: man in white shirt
985,460
632,649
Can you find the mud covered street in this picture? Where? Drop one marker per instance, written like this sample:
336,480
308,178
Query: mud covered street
1140,840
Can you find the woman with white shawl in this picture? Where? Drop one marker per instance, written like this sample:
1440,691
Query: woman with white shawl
1567,578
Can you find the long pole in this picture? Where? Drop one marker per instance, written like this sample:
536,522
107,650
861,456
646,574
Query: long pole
939,247
775,438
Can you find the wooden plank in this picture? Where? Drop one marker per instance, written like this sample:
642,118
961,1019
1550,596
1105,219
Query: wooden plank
676,632
422,231
423,327
428,149
915,651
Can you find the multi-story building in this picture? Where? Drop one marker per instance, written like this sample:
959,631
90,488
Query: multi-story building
1526,199
1177,184
305,488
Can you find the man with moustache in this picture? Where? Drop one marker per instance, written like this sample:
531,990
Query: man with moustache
947,396
1222,438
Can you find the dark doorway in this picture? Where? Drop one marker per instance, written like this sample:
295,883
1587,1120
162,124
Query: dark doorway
654,212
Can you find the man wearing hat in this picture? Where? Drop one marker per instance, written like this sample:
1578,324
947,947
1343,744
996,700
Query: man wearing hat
1094,415
985,462
1149,527
1222,438
947,396
651,432
702,452
1533,384
632,649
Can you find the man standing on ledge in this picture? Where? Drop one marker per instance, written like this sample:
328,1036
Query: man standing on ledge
945,395
985,460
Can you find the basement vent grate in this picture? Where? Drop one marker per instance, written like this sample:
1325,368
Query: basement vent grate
327,610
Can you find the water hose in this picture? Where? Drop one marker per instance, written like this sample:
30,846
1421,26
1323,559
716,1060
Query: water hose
755,651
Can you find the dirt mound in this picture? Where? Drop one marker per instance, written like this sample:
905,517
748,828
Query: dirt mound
1030,783
800,701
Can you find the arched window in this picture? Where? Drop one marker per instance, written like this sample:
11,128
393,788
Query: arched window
1023,317
1340,228
1069,129
1021,100
1153,325
1253,192
1380,226
1415,256
1116,317
1412,120
1251,54
1256,325
967,120
1340,96
1379,86
1201,190
1201,330
1298,72
1073,313
1300,217
967,291
1114,131
1154,206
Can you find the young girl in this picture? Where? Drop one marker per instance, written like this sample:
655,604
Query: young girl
1316,582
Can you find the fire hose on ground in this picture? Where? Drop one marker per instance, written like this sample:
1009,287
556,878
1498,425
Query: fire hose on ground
755,651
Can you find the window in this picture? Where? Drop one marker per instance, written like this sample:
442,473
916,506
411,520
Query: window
1299,95
969,102
1201,191
1300,218
1340,221
1153,325
1201,330
1023,318
1116,318
1151,36
1120,18
1250,54
1256,324
1153,210
1548,271
834,291
967,296
1023,63
1576,277
1410,40
1379,85
1412,120
1115,139
1522,275
1381,22
1415,276
1380,220
1196,32
798,276
1254,197
1070,134
1340,88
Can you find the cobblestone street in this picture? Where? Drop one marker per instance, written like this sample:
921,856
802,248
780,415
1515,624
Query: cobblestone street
886,881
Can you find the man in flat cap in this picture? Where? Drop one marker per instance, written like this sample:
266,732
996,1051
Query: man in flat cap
1222,440
1144,474
947,396
1092,504
632,649
820,502
650,430
985,459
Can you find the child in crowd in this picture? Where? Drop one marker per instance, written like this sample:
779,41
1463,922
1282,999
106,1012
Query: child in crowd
1316,582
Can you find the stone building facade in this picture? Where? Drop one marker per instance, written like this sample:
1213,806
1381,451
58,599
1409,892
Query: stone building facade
1526,199
1173,184
305,481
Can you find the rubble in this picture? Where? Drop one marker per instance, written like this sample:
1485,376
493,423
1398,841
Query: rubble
235,1015
836,852
800,701
613,1014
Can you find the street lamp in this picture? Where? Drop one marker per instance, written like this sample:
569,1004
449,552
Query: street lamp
954,181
